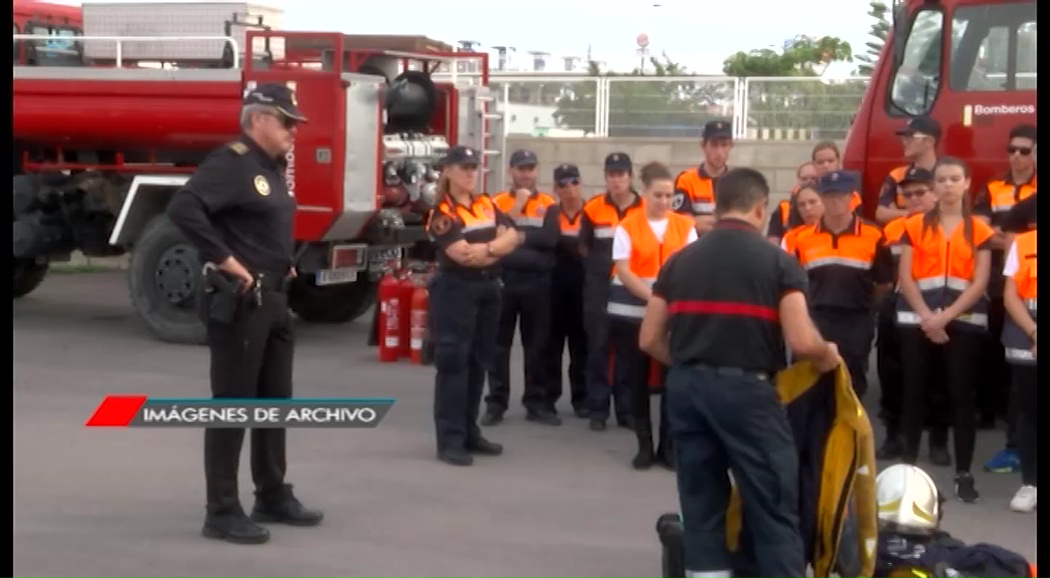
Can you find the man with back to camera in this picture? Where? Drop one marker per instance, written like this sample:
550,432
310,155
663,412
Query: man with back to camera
919,138
238,212
723,338
695,188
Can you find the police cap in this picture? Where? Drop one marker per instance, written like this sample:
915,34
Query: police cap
462,156
841,182
618,162
717,129
278,96
916,175
921,125
523,158
565,173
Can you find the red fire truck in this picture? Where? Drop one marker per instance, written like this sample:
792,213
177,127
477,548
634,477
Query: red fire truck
969,64
109,125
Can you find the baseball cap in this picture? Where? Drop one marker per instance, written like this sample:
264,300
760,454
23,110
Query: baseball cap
921,125
840,182
916,175
278,96
717,129
523,158
461,155
566,172
618,162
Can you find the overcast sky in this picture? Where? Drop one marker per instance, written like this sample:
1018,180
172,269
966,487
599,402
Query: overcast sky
698,37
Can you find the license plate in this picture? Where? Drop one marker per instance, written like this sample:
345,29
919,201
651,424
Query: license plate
379,258
336,276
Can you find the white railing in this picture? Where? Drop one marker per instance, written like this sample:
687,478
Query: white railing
576,105
120,40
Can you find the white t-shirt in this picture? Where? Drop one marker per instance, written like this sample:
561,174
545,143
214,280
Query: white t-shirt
622,241
1011,265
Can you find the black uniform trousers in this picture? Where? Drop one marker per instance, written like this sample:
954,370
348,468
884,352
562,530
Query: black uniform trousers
526,296
724,419
251,357
889,365
852,331
953,364
465,314
1026,386
604,384
994,387
633,365
566,327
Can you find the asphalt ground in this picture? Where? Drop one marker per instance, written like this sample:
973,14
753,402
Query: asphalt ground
560,502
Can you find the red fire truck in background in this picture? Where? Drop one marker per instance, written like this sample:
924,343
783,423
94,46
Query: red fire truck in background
106,129
969,64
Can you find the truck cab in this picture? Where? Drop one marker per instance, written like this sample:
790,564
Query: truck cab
968,64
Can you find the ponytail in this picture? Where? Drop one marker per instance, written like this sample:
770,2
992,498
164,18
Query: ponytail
443,186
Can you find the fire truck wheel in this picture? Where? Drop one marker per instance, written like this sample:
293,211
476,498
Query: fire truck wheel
163,278
330,304
28,276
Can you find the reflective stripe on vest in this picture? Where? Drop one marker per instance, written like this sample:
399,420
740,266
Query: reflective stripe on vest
478,217
942,269
700,190
533,211
1003,195
1018,345
647,256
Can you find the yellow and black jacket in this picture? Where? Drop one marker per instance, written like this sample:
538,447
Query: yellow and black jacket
846,496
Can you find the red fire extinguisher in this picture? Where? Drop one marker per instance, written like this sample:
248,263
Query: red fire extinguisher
418,329
405,288
389,326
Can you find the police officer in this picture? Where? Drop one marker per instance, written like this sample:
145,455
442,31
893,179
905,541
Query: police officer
526,275
471,236
601,215
567,295
849,271
721,336
695,188
238,212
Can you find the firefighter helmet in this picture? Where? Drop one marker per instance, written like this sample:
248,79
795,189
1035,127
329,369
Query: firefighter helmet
908,499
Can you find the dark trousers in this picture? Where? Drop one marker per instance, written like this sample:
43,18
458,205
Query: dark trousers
251,357
604,386
890,368
955,365
722,422
995,390
566,328
1025,378
852,332
633,366
465,318
526,296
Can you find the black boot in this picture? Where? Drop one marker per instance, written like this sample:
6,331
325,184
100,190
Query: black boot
234,527
665,452
284,508
645,458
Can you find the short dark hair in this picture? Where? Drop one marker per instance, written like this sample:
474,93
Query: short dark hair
1023,131
655,171
740,190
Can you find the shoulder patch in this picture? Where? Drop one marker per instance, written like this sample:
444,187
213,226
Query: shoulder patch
262,186
238,147
440,223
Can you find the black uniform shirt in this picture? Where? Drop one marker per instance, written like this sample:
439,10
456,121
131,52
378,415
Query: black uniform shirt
451,221
843,268
723,296
237,204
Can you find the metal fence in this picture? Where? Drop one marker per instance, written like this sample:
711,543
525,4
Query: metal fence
575,105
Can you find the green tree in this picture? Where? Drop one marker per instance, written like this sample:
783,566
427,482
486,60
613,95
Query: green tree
649,106
880,30
803,99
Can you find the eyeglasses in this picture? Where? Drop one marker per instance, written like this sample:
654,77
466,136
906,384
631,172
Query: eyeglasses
567,182
287,122
1023,151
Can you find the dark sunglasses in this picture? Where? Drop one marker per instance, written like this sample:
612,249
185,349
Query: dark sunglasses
567,182
1023,151
286,121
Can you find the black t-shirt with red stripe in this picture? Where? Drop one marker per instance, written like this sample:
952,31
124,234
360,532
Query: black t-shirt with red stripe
723,294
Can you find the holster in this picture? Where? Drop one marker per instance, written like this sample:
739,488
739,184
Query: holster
221,300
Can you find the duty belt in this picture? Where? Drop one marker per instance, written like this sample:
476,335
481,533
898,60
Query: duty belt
273,282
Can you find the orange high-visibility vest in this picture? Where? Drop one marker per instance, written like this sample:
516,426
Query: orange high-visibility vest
1003,194
1018,345
532,212
943,266
699,191
647,256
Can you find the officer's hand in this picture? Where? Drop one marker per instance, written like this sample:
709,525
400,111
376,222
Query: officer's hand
936,323
234,267
292,273
830,360
940,337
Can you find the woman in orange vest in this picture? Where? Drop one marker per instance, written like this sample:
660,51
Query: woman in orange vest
642,243
810,209
827,158
786,215
1019,338
945,263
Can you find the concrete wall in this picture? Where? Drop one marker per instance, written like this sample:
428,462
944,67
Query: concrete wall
777,160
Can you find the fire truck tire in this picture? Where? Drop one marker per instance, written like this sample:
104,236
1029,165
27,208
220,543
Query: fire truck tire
330,304
164,279
28,276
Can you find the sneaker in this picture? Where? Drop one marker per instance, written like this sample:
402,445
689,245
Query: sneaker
1003,462
1024,500
966,488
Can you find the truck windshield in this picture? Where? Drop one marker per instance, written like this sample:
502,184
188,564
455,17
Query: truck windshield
993,48
917,77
